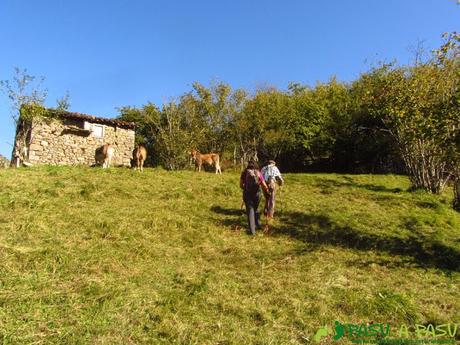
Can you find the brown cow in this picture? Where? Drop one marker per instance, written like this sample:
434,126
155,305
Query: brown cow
208,158
104,155
139,157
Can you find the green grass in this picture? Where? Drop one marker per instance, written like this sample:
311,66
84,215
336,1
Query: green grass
121,257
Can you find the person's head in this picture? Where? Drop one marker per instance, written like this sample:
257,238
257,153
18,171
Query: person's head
271,162
252,165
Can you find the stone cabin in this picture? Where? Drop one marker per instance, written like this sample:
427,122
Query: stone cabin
73,138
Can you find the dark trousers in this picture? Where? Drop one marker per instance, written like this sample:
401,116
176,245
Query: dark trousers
251,202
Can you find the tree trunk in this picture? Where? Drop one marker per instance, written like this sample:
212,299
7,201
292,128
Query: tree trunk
426,172
456,203
21,143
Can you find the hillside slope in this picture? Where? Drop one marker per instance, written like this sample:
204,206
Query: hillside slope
121,257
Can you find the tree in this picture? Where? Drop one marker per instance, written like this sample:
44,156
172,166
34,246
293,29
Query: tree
27,97
368,146
24,89
419,106
145,131
448,58
165,132
210,110
63,103
263,125
174,136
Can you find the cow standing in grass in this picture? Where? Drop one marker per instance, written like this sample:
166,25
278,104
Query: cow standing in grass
212,159
104,155
139,157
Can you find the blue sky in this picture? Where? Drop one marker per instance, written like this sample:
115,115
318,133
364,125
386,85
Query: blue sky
108,54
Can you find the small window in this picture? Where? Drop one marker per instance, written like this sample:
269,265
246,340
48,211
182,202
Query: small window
98,131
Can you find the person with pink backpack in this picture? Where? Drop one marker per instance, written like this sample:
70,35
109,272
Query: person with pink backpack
250,182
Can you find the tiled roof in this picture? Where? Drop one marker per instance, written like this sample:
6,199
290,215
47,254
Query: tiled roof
94,119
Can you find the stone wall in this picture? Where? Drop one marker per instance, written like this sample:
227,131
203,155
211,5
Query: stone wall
67,142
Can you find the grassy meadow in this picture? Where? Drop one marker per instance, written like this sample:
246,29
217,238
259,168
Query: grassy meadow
122,257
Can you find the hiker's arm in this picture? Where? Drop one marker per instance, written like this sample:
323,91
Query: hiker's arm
263,184
281,180
242,180
278,176
265,188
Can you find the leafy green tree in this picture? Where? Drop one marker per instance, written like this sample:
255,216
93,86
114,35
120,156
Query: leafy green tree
321,119
27,96
174,136
331,118
448,60
419,107
146,131
165,132
264,125
367,145
211,112
253,122
390,114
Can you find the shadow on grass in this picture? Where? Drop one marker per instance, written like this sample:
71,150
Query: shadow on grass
227,211
317,230
233,219
327,184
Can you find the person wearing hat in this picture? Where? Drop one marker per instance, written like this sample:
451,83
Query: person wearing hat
250,182
273,179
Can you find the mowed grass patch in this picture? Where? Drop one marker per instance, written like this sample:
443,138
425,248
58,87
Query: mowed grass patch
92,256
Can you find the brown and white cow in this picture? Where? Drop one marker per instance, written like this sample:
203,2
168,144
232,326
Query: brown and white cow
139,157
208,158
104,155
